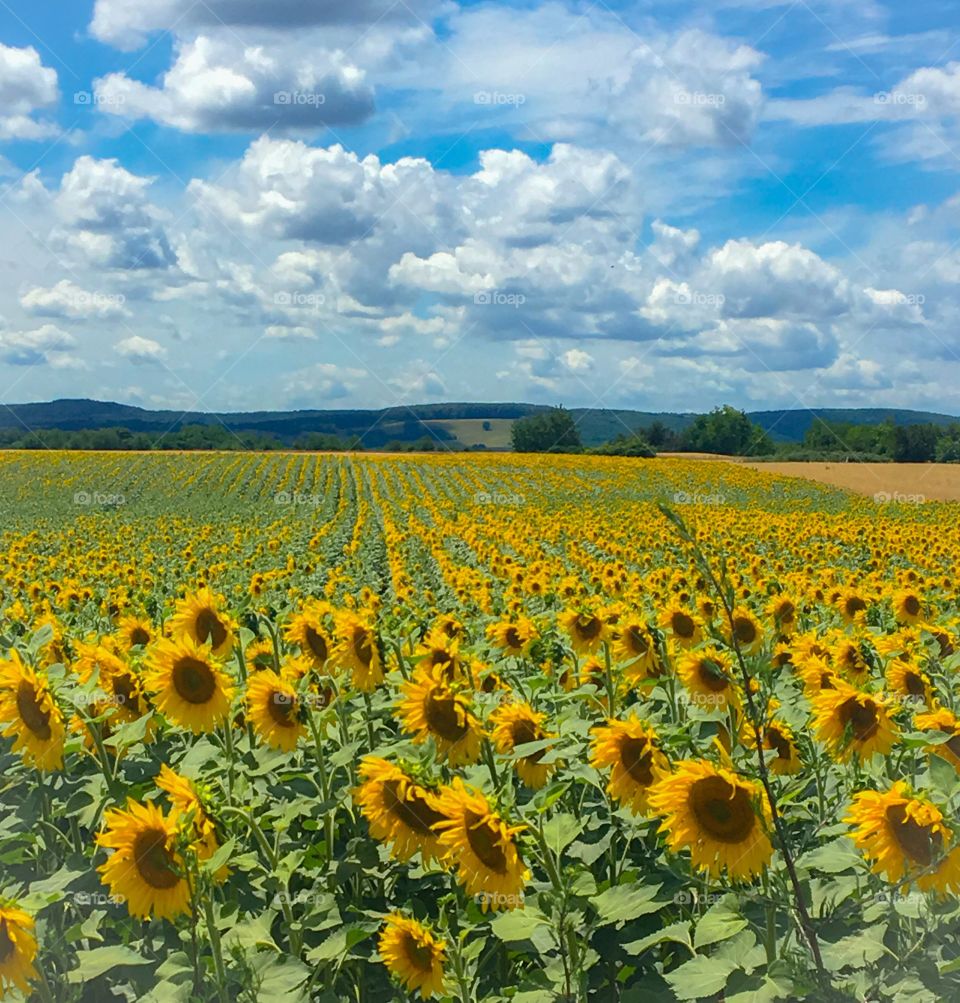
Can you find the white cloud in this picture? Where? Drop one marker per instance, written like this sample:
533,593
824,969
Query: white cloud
141,351
26,86
67,299
46,345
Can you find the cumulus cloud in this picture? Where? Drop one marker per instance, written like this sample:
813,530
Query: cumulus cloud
141,351
220,83
26,86
67,299
47,345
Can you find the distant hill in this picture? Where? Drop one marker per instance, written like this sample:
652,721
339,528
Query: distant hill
459,424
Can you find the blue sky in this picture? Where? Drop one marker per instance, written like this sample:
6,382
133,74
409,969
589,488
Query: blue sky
239,203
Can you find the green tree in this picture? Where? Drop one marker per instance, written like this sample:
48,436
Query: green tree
728,431
552,431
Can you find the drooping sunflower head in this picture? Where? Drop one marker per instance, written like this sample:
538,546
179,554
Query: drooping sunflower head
30,715
908,681
191,812
905,837
413,955
517,724
482,847
188,683
273,708
850,659
745,631
432,707
944,722
630,750
853,723
145,869
200,618
18,948
779,737
636,647
719,816
399,810
783,611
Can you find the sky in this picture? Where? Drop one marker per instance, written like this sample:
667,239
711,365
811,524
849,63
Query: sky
246,204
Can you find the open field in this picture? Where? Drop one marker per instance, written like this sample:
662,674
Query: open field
320,727
471,432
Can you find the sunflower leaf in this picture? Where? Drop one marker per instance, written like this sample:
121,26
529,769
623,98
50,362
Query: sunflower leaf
719,922
95,962
626,902
700,977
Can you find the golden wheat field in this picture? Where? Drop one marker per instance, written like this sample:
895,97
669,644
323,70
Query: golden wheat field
324,727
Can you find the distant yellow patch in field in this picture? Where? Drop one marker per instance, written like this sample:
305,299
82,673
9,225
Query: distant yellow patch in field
896,481
471,431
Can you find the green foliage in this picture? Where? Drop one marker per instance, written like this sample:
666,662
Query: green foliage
727,431
634,444
552,431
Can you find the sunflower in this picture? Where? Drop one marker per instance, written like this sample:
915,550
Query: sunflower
713,812
439,651
744,630
307,631
273,708
514,637
190,808
516,724
631,749
413,955
146,868
258,655
18,948
587,630
432,708
815,674
776,735
134,632
906,838
358,649
399,811
188,683
117,678
636,647
707,675
907,606
783,611
32,718
683,626
850,658
481,846
945,722
853,606
851,722
198,617
908,681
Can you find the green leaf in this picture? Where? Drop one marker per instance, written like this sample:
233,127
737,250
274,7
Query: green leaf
560,831
625,902
94,963
720,922
221,857
517,924
678,933
857,950
700,977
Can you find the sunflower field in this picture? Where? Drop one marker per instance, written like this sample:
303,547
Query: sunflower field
304,728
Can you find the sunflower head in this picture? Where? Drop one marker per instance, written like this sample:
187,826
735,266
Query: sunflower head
853,723
432,707
200,618
30,714
630,750
188,683
518,724
18,948
413,955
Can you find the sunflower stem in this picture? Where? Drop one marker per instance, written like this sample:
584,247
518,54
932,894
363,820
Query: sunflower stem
328,815
216,948
228,742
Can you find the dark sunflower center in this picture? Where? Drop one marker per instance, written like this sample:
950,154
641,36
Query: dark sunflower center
210,628
412,810
125,690
712,675
588,627
637,640
363,645
854,605
445,717
918,842
193,680
862,718
722,810
786,612
683,625
914,684
316,643
31,713
282,708
525,731
139,636
153,860
912,606
419,955
744,629
512,637
953,744
636,756
485,843
777,740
